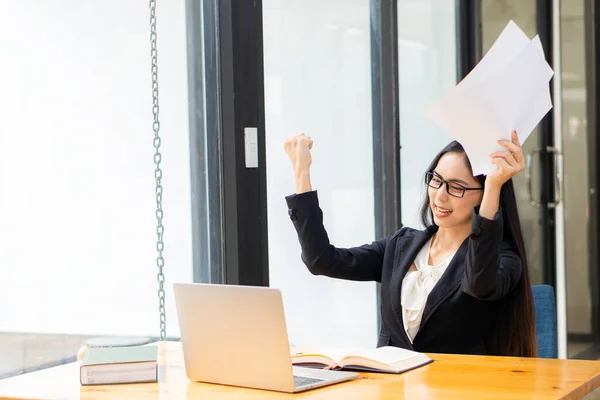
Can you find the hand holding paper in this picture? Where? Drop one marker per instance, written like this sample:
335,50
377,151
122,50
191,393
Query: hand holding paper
508,162
507,91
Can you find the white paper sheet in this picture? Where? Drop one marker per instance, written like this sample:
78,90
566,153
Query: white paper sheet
509,89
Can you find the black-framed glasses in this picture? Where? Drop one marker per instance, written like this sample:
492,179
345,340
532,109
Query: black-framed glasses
454,189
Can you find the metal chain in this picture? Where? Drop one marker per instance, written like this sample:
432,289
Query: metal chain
160,262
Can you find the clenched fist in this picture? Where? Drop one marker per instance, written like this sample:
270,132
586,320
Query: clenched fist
298,148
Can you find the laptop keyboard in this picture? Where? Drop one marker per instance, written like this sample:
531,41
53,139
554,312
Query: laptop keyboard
303,381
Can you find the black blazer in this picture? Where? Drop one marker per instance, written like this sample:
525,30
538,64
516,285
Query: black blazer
463,305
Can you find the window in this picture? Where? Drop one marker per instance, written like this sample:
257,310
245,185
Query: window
318,80
427,70
78,203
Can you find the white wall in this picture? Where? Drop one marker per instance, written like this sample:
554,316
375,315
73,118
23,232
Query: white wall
77,225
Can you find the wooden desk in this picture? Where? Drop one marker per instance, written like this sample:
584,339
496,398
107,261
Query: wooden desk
448,377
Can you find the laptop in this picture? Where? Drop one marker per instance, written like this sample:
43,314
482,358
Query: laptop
236,335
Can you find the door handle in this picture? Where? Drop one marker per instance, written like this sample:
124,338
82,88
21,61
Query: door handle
528,168
557,179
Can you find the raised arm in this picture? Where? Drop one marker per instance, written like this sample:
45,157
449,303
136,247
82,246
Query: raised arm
362,263
493,266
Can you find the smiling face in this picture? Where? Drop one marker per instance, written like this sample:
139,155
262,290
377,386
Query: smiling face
449,211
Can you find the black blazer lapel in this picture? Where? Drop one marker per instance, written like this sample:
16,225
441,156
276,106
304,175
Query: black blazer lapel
407,249
448,283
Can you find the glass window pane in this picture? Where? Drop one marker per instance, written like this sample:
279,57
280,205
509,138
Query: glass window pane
318,81
78,199
427,70
580,269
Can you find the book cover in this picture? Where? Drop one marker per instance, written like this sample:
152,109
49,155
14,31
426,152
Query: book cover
133,364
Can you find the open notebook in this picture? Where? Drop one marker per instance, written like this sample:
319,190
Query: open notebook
383,359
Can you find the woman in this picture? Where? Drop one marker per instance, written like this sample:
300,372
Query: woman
459,286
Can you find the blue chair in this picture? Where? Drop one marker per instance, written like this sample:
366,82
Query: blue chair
545,321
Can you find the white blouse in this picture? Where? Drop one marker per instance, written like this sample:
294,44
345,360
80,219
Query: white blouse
416,287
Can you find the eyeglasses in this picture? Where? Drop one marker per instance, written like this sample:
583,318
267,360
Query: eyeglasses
454,189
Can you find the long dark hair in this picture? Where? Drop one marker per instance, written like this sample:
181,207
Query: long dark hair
513,333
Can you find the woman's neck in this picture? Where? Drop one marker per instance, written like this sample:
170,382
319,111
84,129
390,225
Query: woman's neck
449,239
